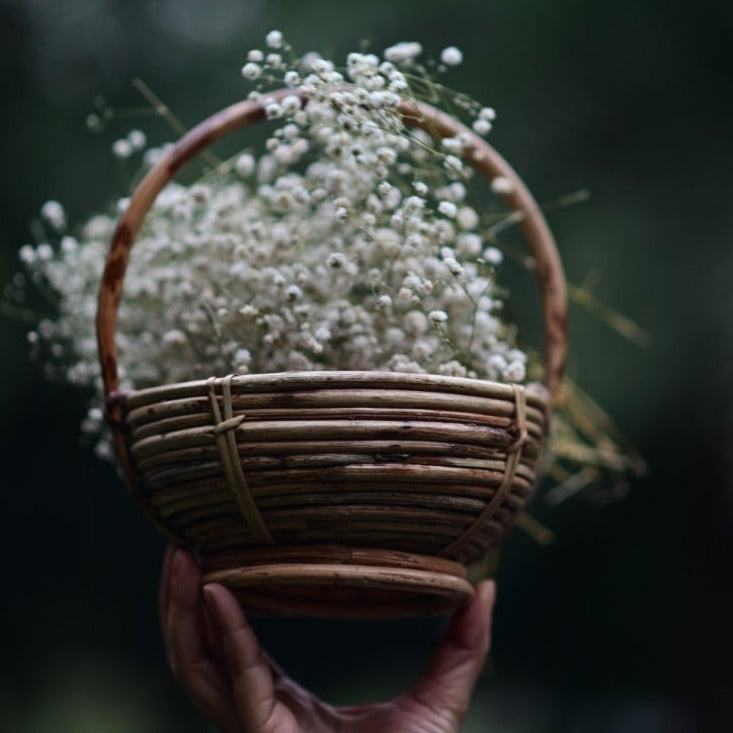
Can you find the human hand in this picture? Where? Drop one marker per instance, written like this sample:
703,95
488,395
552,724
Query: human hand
214,653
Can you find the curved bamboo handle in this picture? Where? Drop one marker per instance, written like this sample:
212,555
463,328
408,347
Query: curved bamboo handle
533,226
479,153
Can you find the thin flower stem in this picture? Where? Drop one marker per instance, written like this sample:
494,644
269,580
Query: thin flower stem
20,314
613,319
162,109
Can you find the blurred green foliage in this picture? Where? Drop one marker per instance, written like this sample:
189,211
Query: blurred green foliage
624,623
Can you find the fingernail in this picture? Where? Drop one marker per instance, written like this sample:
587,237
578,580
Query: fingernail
210,600
486,591
175,562
209,593
223,607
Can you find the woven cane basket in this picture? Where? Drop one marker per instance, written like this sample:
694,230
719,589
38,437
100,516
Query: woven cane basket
343,494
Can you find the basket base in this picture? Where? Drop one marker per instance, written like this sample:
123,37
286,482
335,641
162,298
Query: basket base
335,582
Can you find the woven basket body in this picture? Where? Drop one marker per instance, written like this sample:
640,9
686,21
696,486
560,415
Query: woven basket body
333,493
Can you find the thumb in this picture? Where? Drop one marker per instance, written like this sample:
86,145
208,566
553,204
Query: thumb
251,677
446,687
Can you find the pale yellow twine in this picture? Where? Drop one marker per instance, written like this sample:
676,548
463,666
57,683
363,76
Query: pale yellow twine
227,444
514,454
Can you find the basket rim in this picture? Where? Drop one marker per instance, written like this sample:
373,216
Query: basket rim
537,393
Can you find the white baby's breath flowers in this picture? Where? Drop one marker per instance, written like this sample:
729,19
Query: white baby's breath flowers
482,127
251,70
52,212
493,256
137,139
447,208
454,266
453,164
501,185
403,52
122,149
451,56
274,39
467,218
245,165
348,243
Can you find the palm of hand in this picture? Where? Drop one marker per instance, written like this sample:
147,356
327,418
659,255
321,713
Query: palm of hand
214,653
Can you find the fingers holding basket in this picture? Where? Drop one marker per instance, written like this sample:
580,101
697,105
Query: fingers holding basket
192,658
444,692
250,670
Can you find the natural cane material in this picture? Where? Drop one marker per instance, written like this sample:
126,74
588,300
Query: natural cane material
334,493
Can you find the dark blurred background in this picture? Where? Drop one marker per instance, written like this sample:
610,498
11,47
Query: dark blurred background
624,623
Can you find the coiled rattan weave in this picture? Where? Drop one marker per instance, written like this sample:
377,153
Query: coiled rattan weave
334,493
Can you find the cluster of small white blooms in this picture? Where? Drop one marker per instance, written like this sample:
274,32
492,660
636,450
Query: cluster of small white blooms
52,212
451,56
69,271
126,147
348,243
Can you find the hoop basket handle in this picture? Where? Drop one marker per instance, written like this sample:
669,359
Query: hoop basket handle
478,153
